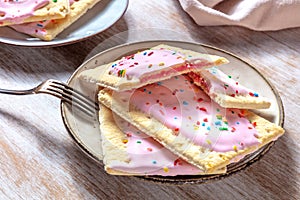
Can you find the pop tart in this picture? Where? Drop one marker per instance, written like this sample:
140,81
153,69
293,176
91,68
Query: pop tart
149,66
180,116
24,11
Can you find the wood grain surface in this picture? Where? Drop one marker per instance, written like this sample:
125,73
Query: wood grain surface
39,160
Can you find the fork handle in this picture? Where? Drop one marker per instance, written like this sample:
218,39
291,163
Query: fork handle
17,92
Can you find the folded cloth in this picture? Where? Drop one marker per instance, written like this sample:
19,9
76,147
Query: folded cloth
259,15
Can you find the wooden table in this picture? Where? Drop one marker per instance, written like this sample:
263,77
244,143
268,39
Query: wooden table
39,160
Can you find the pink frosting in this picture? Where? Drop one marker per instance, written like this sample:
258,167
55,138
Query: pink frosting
33,28
215,81
188,111
16,11
36,28
144,65
148,157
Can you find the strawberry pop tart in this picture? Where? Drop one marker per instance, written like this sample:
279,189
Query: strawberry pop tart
149,66
49,29
23,11
227,92
128,151
180,116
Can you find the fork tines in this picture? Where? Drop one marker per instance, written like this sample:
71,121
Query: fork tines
71,96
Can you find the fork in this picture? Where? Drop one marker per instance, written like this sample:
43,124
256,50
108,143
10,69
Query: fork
62,91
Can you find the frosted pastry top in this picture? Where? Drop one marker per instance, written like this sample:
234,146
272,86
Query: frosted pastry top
214,80
187,110
145,65
37,28
16,11
148,157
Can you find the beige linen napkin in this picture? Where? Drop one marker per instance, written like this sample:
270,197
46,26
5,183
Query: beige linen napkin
254,14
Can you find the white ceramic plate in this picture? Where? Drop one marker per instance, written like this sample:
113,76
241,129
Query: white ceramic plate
103,15
86,132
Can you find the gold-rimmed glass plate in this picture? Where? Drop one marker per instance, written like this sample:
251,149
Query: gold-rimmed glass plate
86,131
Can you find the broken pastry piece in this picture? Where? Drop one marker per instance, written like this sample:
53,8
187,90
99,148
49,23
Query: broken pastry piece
185,120
129,151
23,11
226,91
158,63
49,29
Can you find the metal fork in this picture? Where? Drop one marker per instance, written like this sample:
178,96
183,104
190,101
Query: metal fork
62,91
